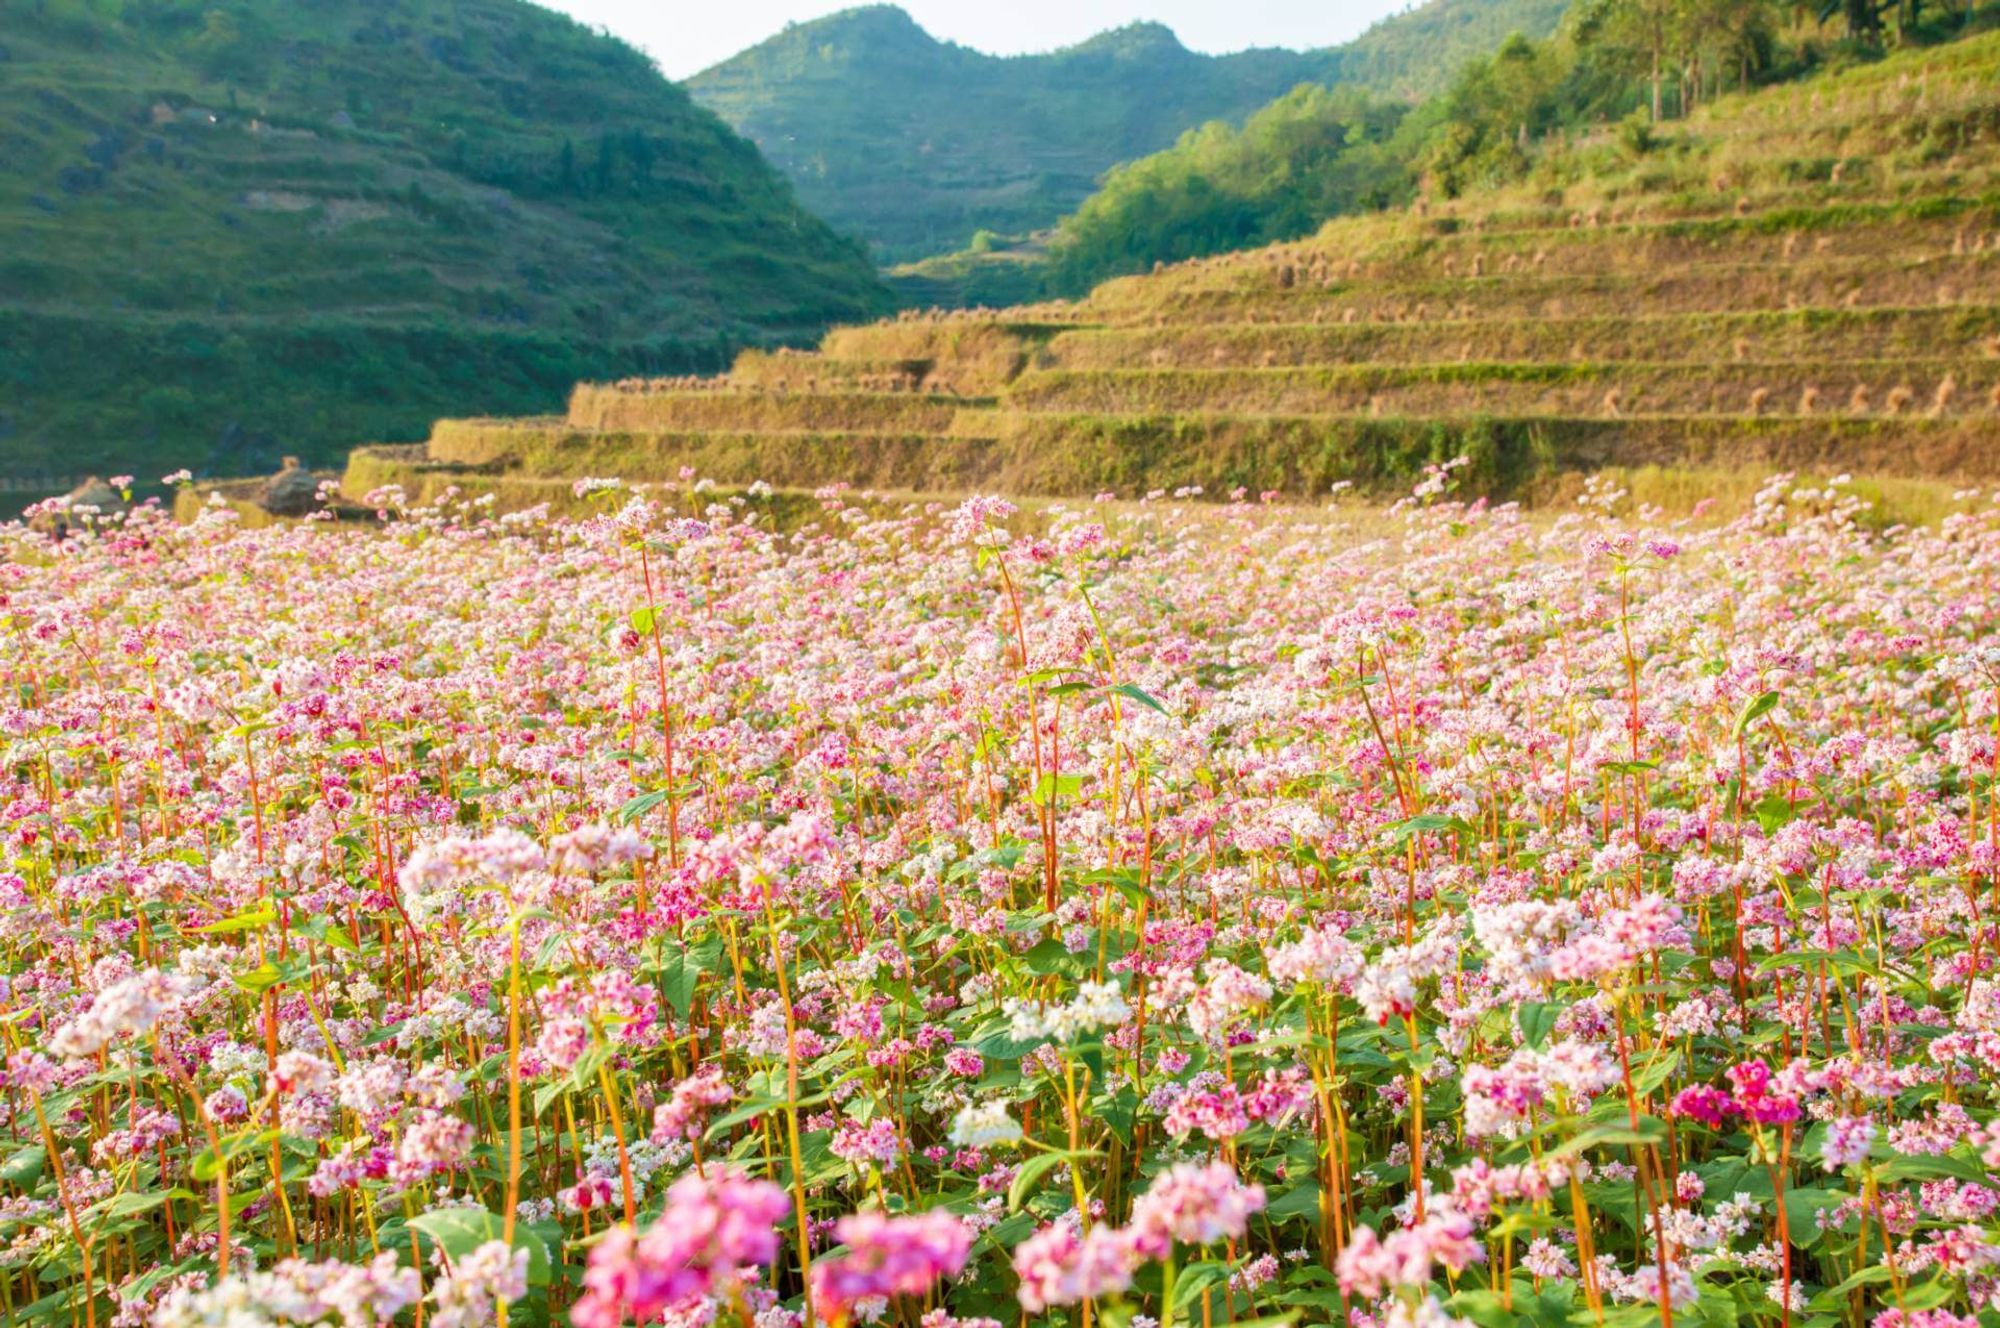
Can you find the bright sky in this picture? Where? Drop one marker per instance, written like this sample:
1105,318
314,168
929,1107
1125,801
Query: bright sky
687,36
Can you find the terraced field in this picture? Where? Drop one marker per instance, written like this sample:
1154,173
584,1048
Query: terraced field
1806,278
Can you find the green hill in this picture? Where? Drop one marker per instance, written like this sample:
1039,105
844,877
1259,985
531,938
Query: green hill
916,145
235,228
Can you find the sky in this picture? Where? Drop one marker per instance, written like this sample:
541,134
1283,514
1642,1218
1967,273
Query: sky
687,36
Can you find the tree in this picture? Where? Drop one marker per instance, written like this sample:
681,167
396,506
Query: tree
1638,33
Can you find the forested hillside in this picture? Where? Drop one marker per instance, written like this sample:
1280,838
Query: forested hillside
1320,153
916,145
231,229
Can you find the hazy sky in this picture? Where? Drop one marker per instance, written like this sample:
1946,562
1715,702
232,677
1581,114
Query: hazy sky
686,36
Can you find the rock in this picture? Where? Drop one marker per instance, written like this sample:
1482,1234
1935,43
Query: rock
91,500
291,492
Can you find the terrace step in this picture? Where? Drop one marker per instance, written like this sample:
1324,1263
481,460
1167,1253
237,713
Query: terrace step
1573,389
1955,332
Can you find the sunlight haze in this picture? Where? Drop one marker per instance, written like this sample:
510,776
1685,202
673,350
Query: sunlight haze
685,38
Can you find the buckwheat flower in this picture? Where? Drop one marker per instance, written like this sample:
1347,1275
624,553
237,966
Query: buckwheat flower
985,1125
711,1231
889,1256
1372,1264
685,1114
1384,991
432,1143
33,1071
1581,1069
296,1292
1791,1295
488,1276
562,1042
1228,994
302,1072
1847,1141
1322,955
125,1009
1195,1205
876,1141
435,1086
1545,1258
1097,1005
1498,1101
1218,1113
226,1105
964,1062
433,874
1057,1266
1705,1103
1755,1098
371,1089
972,520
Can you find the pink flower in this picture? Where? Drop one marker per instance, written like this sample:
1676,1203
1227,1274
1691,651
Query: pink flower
1193,1204
685,1114
1056,1266
1371,1265
889,1256
711,1229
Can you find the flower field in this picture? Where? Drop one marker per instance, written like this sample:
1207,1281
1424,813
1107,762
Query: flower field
1147,915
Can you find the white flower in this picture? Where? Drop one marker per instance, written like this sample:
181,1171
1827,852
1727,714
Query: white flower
984,1126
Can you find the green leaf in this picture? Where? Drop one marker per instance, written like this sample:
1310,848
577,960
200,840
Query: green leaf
640,805
1002,1045
460,1231
1774,812
750,1110
1299,1201
1131,692
1932,1168
1651,1130
260,978
1802,1208
1538,1021
248,920
1031,1171
1197,1278
645,619
1758,707
1428,823
1051,787
25,1167
208,1163
1834,1298
1656,1071
135,1201
1038,1166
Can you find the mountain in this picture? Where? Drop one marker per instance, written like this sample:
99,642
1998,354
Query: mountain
231,229
916,145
